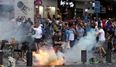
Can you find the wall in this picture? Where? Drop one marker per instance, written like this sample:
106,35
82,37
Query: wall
82,5
6,8
50,2
6,2
28,12
48,6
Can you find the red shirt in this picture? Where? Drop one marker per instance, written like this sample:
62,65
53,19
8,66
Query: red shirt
104,23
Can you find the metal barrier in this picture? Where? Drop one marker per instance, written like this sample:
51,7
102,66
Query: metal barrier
29,58
83,56
1,57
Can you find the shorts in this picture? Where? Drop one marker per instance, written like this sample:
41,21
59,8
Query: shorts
101,43
37,40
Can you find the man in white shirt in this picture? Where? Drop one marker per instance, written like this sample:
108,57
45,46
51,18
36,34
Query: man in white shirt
71,35
38,34
101,35
101,41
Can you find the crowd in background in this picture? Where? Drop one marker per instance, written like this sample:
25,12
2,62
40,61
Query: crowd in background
69,32
64,34
73,30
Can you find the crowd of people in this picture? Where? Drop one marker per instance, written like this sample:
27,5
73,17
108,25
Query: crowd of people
67,33
64,34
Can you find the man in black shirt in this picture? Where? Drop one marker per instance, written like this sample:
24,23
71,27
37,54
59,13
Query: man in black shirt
57,39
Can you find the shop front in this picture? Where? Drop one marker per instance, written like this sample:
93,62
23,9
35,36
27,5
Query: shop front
45,8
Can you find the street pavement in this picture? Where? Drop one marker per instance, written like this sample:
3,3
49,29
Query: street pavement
113,64
20,63
81,65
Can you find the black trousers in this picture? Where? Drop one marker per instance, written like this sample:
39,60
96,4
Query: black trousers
71,43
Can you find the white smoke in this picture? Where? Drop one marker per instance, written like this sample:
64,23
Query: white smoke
5,28
73,55
10,29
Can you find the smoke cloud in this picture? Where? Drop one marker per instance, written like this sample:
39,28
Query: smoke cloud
9,29
73,55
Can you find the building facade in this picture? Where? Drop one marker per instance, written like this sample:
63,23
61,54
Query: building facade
24,8
107,8
66,9
46,7
82,6
7,8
